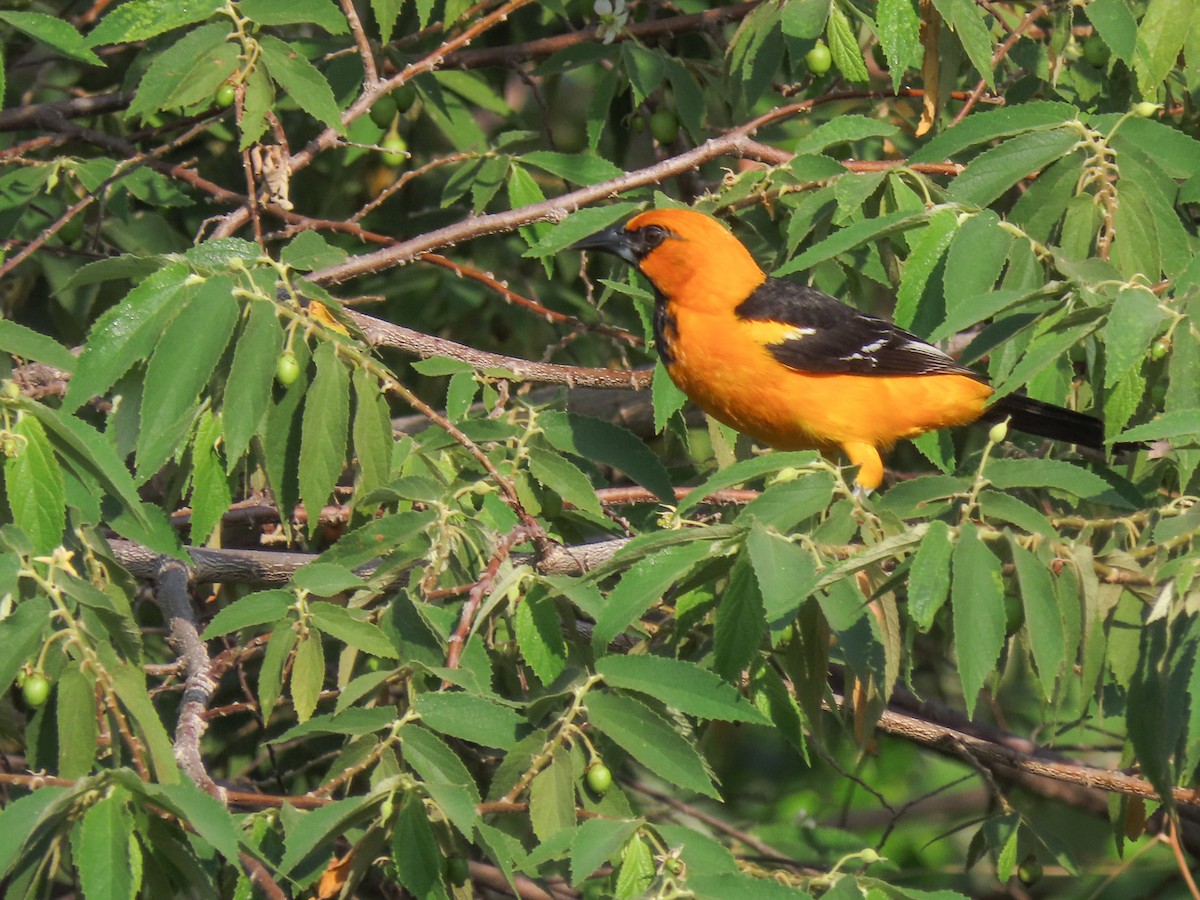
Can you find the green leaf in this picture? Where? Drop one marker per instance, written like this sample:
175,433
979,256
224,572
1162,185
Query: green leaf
982,127
849,238
649,739
552,797
211,494
54,31
843,129
679,684
319,12
636,872
125,334
386,13
929,577
184,359
270,673
665,396
966,20
415,851
565,479
372,433
317,827
323,434
326,579
642,585
248,389
1116,25
1170,425
29,344
104,851
129,685
539,635
1043,621
929,246
843,45
469,717
76,713
33,482
898,24
1133,322
292,71
258,608
608,444
343,624
141,20
786,574
579,225
1137,248
595,841
308,675
977,598
740,622
994,171
577,168
309,250
1160,37
176,68
1007,474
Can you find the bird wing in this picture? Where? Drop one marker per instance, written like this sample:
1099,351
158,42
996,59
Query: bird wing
819,334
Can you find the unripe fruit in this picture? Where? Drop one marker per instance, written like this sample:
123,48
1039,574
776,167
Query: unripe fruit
405,96
998,432
384,111
225,96
35,690
1159,349
1096,51
1145,109
664,125
395,150
818,59
457,869
287,368
1030,871
674,865
599,779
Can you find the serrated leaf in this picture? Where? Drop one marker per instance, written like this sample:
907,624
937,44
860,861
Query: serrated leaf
577,168
173,68
125,334
843,129
129,685
981,127
258,608
211,494
141,20
308,675
415,851
1160,37
1043,621
552,797
603,442
850,237
994,171
322,826
386,13
649,739
76,714
185,357
1007,474
1116,25
28,344
318,12
595,841
977,598
270,673
33,483
539,636
1133,322
1136,248
1176,424
805,19
642,585
740,622
786,574
929,577
248,389
372,433
301,80
103,850
665,396
898,24
929,246
339,622
326,579
565,479
679,684
469,717
843,45
323,434
579,225
53,31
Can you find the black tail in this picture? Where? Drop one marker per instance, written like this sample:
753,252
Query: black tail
1048,421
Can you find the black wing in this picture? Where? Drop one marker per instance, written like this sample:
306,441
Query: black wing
828,337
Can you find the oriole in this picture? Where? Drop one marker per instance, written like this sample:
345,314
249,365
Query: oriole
795,368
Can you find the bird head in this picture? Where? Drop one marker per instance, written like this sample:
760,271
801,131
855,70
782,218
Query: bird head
689,257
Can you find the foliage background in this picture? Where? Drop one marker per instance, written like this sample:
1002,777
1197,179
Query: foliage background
388,608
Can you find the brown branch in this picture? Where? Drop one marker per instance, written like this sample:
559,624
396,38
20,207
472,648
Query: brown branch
360,40
1001,52
478,591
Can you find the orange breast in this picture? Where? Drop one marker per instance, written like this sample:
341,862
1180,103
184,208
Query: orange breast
723,364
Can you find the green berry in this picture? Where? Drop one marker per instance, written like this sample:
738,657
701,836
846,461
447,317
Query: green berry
998,432
818,59
405,96
1096,51
10,390
674,865
395,150
1146,109
599,779
637,123
1159,349
35,690
664,125
287,368
458,870
225,96
1030,871
384,111
72,229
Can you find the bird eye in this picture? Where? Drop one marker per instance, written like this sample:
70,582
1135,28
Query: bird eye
652,236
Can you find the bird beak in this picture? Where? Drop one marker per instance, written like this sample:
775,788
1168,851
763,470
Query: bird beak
611,240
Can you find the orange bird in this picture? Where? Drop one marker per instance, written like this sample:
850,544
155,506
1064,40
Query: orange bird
795,368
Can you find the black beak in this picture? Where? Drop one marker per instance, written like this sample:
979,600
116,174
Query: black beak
613,240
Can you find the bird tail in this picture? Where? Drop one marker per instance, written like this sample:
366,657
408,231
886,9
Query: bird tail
1048,421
